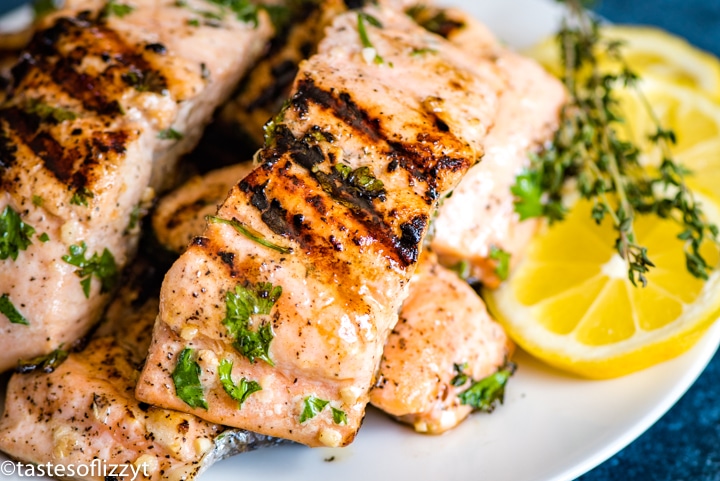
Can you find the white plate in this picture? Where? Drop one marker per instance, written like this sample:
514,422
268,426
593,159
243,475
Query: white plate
552,427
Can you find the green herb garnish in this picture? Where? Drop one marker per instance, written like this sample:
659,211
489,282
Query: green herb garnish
44,237
502,262
103,267
42,8
243,303
339,417
362,179
364,38
460,376
312,406
112,7
244,10
239,392
46,364
15,235
248,232
48,112
485,393
37,201
587,152
170,134
186,378
11,312
81,196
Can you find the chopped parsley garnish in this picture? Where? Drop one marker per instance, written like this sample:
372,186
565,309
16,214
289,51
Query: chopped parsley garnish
193,22
170,134
239,392
44,237
364,38
14,234
186,378
271,125
339,417
112,7
101,266
80,197
37,200
528,193
312,406
245,10
502,262
248,232
362,179
243,303
460,376
416,52
485,393
47,363
462,269
11,312
146,81
48,112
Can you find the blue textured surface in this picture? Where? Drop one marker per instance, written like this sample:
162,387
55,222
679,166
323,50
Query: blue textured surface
685,444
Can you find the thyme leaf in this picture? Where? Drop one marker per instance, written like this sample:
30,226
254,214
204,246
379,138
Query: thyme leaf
588,155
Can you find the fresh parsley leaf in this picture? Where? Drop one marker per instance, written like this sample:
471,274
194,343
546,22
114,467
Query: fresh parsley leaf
502,259
146,81
15,235
81,196
485,393
528,195
101,266
46,364
44,237
48,112
364,38
239,392
170,134
339,416
112,7
245,10
462,269
37,200
186,378
416,52
270,127
243,303
248,232
11,312
312,406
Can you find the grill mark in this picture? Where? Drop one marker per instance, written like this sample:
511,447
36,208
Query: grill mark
416,158
87,89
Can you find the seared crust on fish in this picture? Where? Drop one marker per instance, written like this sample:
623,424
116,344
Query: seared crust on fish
101,107
352,173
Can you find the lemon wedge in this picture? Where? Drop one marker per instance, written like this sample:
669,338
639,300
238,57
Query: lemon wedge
649,51
569,301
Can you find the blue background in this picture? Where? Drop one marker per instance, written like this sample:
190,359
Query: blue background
685,444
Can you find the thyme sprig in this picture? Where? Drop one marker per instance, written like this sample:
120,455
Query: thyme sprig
587,154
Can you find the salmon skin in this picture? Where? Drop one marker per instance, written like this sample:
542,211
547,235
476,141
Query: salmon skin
318,242
103,103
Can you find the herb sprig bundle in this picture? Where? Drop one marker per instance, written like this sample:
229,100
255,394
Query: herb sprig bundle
587,154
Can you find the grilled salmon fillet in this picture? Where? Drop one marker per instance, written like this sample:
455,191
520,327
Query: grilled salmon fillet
102,105
298,280
527,117
444,331
85,409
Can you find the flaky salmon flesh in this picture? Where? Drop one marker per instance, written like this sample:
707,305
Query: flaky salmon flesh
103,103
353,171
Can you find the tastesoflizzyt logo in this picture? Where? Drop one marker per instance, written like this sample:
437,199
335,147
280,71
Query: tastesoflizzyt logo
97,467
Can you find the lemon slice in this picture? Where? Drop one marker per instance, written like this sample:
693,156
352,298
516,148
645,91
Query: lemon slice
649,51
570,303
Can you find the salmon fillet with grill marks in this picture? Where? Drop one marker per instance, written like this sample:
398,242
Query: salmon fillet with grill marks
104,102
85,410
347,185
